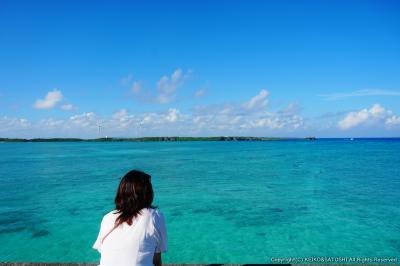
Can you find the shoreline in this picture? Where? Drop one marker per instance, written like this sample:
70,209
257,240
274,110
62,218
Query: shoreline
154,139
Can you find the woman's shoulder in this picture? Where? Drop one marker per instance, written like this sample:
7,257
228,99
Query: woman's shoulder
111,213
109,216
156,215
154,212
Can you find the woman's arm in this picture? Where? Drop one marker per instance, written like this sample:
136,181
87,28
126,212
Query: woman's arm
157,259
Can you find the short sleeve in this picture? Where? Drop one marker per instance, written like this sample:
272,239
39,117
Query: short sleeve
97,243
160,231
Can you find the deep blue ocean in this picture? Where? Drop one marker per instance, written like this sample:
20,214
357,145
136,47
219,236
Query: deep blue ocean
224,202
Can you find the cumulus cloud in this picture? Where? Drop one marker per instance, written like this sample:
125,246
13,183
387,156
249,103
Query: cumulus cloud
393,120
172,115
200,93
258,101
126,80
292,108
224,119
360,93
167,85
84,120
50,100
51,123
376,115
68,107
10,122
248,117
15,127
120,115
165,90
252,117
119,120
136,87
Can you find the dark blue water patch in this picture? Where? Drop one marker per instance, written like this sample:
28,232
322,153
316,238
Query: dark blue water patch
275,209
333,179
92,206
301,208
40,233
11,225
14,222
236,190
12,229
395,243
6,220
229,218
200,211
73,212
296,165
7,198
176,213
256,221
261,234
248,216
261,217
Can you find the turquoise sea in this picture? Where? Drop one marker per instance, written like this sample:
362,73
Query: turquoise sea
224,202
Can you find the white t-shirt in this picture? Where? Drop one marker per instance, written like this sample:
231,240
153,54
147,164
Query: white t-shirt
130,245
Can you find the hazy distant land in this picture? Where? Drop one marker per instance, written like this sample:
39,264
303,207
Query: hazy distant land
147,139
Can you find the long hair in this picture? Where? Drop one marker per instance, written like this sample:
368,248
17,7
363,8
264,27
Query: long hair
134,193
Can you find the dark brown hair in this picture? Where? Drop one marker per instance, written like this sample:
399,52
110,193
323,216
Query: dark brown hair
134,193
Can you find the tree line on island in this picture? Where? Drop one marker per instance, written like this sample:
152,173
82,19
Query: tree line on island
148,139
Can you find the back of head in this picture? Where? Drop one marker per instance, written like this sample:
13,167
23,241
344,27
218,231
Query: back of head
134,193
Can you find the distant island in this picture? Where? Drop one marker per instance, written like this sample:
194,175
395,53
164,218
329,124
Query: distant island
148,139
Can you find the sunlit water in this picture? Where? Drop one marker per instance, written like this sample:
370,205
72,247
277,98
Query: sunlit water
224,202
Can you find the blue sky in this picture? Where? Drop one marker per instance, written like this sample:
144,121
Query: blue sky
263,68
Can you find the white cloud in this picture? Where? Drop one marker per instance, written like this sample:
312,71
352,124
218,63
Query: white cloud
84,120
258,101
360,93
247,118
10,122
165,90
167,86
68,107
250,117
51,123
274,121
136,87
375,116
15,127
50,100
393,121
200,93
126,80
120,120
216,120
120,115
172,115
292,108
